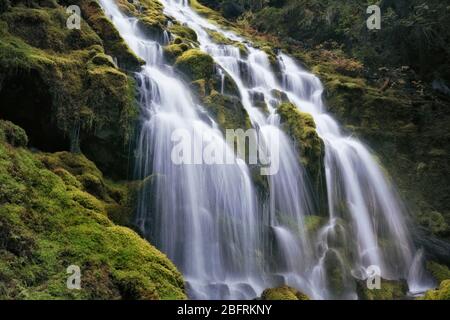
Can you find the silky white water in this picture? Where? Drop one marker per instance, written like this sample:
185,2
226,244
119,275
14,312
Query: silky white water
208,219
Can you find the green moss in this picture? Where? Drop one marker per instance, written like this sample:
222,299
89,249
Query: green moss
12,134
283,293
113,42
49,220
102,59
87,91
173,51
199,87
211,15
219,38
442,293
438,271
150,15
301,127
184,32
228,111
434,222
389,290
314,223
195,64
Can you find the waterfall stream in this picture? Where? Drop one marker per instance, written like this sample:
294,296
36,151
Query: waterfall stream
209,219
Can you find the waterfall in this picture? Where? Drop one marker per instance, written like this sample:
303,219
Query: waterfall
210,220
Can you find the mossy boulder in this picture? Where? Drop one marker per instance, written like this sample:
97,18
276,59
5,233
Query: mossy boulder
183,32
49,220
174,50
195,64
442,293
283,293
228,111
12,134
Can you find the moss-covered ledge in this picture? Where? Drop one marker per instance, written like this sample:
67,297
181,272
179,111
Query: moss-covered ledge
301,127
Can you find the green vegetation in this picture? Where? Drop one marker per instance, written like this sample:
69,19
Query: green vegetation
283,293
301,127
112,41
199,68
412,31
389,290
438,271
13,134
57,209
65,78
228,111
184,32
442,293
54,213
195,64
314,223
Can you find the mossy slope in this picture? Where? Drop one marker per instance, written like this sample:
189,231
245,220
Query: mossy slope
54,213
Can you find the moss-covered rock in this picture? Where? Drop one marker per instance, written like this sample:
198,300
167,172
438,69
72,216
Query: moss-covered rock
442,293
79,172
438,271
283,293
71,94
12,134
389,290
195,64
212,15
301,127
219,38
113,42
49,220
313,223
102,59
228,111
174,50
183,32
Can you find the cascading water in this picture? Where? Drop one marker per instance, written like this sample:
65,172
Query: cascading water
208,219
202,216
363,205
